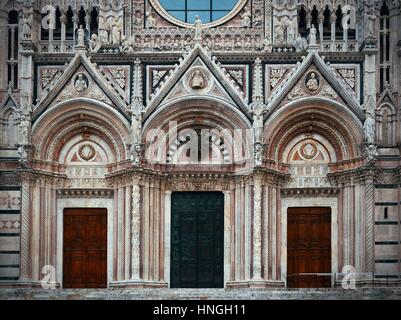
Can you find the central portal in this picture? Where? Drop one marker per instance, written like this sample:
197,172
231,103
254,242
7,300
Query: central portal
197,240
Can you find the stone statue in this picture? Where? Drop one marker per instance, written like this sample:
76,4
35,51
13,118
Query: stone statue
279,33
26,27
127,45
81,84
23,155
116,31
369,128
263,45
258,154
136,127
24,126
150,20
312,36
258,110
198,29
371,25
290,33
94,44
371,153
136,154
246,18
81,36
198,82
257,19
300,44
104,30
312,84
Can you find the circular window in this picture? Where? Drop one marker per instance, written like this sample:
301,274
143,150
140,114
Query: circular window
211,12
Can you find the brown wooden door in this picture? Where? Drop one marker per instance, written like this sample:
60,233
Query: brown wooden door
308,247
85,248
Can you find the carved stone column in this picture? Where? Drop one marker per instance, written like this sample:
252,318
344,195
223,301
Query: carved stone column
333,19
25,229
257,235
167,233
63,20
135,231
369,224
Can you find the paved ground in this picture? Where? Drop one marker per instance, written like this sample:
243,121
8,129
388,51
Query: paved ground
200,294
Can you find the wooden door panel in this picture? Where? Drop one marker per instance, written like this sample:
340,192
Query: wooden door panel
85,248
308,247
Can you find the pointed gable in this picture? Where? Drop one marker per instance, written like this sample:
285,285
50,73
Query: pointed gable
387,97
330,85
9,101
98,87
198,74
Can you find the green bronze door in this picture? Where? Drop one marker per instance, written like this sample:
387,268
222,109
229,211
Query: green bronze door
197,239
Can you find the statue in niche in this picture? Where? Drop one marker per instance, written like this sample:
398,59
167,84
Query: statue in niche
198,29
238,42
116,31
158,46
258,110
257,20
150,20
312,36
290,33
136,127
81,36
246,18
81,83
279,33
104,30
25,125
248,42
26,26
312,82
371,25
188,43
369,128
138,18
94,44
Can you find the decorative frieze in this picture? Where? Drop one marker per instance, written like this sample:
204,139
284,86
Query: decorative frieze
309,192
85,193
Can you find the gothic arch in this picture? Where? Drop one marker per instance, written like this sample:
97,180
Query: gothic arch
386,124
92,121
337,128
8,127
229,130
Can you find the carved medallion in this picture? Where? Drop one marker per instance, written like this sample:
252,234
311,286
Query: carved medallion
87,152
198,80
81,83
308,150
312,82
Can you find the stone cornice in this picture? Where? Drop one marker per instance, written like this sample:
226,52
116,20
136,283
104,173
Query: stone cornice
361,175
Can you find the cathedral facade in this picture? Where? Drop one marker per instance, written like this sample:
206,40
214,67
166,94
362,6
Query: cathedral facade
199,144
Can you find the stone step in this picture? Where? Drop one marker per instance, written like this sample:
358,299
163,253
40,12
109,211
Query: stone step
201,294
